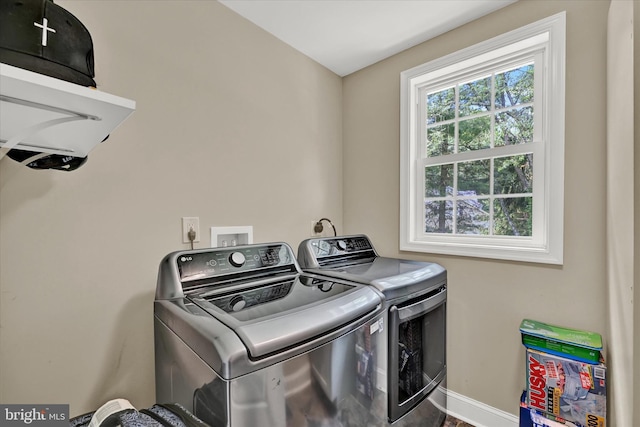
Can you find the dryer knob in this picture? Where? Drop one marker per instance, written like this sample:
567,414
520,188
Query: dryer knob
237,259
341,245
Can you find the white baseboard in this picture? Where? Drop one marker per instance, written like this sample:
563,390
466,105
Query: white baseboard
477,413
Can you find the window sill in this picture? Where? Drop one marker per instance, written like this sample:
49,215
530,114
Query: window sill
488,249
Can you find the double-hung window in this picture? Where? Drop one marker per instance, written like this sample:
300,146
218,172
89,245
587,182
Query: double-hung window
482,148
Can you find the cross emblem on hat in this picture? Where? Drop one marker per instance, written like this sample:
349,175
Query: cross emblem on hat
45,30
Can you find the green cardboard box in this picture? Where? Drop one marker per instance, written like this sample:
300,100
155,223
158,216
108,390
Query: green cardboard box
574,344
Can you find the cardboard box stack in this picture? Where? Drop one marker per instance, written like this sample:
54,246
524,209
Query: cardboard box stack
565,377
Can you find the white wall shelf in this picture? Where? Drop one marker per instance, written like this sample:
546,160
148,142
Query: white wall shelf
43,114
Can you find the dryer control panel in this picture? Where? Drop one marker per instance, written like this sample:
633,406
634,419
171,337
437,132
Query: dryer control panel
340,245
313,253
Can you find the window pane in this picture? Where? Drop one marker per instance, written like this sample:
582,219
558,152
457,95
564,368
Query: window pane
441,140
514,87
512,216
514,126
437,179
474,177
475,97
438,216
473,216
513,174
441,106
474,134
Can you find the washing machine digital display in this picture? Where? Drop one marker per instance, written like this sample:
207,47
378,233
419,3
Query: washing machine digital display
269,257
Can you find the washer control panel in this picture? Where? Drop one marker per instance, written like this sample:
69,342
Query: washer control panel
198,265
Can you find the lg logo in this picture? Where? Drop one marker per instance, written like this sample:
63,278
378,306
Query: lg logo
186,258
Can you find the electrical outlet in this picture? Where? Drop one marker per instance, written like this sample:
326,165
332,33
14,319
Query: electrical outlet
314,233
188,223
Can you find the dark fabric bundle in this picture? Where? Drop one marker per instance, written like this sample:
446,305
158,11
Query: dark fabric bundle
165,415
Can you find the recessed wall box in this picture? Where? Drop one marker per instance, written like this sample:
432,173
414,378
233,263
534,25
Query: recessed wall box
231,236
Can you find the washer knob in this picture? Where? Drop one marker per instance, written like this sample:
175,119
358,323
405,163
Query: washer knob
237,259
237,303
341,245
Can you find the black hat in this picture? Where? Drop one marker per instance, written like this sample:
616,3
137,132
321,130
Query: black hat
42,37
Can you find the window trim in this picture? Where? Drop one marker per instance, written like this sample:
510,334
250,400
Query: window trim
548,34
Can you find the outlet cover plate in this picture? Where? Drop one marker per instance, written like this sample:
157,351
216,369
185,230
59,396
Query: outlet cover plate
189,222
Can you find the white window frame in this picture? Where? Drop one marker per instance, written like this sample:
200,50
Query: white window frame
545,40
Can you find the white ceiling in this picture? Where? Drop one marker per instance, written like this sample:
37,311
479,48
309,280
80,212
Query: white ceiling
347,35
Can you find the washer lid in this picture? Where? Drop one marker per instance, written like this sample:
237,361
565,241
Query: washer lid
282,314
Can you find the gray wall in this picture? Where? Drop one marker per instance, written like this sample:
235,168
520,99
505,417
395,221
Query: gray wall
232,125
237,128
487,298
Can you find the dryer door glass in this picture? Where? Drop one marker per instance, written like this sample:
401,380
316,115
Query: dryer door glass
417,347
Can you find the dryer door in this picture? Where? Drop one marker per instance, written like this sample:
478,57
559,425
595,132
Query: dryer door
417,350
